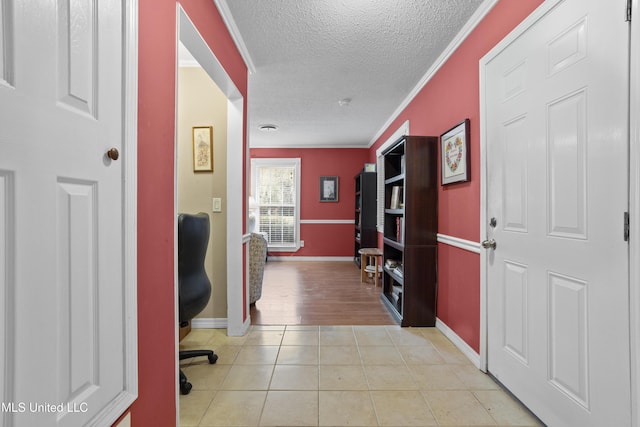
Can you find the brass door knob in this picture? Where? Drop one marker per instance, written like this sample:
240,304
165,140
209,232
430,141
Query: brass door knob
113,153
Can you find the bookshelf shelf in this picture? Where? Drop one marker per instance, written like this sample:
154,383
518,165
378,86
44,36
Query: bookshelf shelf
394,211
394,179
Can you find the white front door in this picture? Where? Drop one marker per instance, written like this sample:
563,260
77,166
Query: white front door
62,287
556,111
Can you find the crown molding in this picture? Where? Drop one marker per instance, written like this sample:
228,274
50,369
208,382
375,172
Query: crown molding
471,24
225,12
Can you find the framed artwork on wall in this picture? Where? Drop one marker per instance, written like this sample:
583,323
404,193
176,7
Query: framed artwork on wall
202,148
454,149
328,188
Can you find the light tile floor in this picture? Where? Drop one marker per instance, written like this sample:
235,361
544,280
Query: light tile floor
340,376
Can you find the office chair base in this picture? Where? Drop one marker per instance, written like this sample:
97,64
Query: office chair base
188,354
185,386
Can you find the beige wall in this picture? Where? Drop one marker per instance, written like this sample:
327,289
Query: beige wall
201,103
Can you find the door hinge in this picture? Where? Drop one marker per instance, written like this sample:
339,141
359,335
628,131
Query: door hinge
626,226
628,10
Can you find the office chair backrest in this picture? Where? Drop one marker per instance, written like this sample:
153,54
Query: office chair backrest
194,287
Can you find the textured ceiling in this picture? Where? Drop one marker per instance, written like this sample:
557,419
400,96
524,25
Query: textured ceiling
306,55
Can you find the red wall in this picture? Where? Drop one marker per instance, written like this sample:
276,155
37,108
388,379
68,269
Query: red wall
156,403
449,97
323,239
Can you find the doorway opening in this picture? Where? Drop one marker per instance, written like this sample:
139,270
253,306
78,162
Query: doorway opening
193,42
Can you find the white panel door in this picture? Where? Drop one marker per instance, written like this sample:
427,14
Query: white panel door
557,280
61,212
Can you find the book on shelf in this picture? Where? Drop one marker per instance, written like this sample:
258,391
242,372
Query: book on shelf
396,197
396,296
391,263
394,267
398,271
399,229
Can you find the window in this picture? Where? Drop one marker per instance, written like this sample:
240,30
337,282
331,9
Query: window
275,186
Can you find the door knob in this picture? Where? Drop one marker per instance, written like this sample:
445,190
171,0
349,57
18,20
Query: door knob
113,153
489,244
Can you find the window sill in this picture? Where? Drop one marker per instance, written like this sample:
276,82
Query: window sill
283,248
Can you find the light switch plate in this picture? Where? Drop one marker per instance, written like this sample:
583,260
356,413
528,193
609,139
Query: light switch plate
217,204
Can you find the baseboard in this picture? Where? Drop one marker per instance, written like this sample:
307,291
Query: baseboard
208,323
310,258
459,343
221,323
243,329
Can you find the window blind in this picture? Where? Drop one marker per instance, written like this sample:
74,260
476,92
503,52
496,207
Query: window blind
275,187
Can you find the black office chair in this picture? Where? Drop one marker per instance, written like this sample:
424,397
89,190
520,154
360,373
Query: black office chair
194,287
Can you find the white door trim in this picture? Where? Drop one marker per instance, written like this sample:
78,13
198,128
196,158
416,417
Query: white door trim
130,160
121,403
237,286
634,211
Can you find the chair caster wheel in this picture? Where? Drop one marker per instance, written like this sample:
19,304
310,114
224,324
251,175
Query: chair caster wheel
213,359
185,388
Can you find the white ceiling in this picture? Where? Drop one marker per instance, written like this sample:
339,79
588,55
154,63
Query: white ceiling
304,56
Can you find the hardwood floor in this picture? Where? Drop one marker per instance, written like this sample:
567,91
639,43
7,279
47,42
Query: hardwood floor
318,293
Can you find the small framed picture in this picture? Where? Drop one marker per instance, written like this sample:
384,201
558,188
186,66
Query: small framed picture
454,149
202,148
328,188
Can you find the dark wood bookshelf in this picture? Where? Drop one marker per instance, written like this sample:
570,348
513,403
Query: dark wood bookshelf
410,230
365,233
